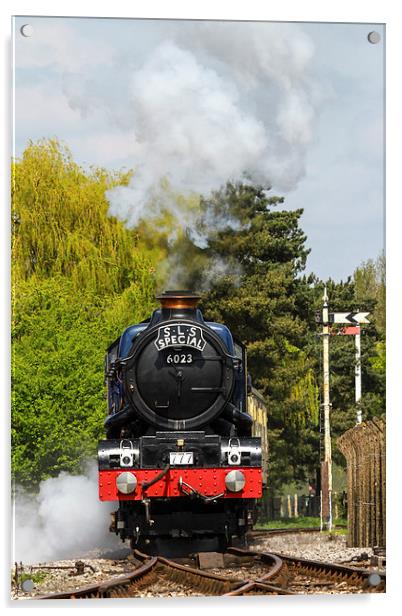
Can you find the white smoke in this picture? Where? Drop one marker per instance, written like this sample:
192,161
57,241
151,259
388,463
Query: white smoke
176,272
218,269
187,120
210,103
65,519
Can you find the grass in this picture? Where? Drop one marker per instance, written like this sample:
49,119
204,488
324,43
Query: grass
36,577
301,522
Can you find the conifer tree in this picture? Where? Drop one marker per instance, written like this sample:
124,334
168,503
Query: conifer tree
263,298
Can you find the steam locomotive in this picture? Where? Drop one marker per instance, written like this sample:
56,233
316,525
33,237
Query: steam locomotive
180,456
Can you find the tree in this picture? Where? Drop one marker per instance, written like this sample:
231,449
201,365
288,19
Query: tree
262,298
61,224
355,294
79,278
369,280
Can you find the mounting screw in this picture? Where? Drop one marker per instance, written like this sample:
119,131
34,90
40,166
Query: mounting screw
374,579
373,37
27,30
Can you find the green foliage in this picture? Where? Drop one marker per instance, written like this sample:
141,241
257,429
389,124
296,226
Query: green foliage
369,280
365,291
61,227
57,378
378,361
289,523
79,278
303,522
306,391
262,299
259,291
37,577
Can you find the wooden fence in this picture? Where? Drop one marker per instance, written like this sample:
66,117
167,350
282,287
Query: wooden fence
364,449
289,506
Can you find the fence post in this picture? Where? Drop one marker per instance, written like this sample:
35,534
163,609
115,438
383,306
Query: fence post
336,509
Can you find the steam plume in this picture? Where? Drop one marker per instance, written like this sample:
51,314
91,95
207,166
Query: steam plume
64,520
210,103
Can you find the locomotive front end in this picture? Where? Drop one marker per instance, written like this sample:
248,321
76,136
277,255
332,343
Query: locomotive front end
179,455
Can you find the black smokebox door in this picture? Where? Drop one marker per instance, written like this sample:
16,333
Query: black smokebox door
177,382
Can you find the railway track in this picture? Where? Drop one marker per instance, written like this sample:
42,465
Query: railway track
245,573
303,576
159,576
273,532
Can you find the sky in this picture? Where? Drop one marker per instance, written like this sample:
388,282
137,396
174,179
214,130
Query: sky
297,106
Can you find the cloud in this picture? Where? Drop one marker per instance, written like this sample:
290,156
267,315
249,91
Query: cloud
309,96
58,46
42,110
212,104
104,147
205,103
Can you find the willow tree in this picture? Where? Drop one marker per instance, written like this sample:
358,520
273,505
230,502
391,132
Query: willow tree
79,277
61,226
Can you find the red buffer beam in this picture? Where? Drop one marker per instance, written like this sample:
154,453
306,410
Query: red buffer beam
207,481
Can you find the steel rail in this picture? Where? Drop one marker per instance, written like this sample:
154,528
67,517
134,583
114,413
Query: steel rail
277,580
331,568
272,532
258,587
333,571
102,589
209,583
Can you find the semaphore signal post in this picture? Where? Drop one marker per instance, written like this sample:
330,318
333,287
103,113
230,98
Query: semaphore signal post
356,318
326,466
353,320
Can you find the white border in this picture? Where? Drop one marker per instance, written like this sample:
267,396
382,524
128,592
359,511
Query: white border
287,10
368,11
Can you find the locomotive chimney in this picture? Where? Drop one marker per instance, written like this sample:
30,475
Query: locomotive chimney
179,305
